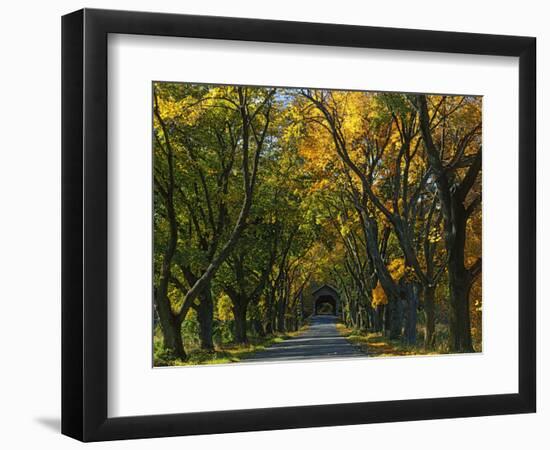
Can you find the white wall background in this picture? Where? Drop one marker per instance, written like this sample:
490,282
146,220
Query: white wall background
30,221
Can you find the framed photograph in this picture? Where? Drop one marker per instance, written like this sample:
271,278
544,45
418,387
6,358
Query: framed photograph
273,225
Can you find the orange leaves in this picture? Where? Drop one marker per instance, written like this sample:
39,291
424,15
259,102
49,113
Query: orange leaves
397,270
317,153
379,296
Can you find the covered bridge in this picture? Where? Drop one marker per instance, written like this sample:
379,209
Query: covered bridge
323,295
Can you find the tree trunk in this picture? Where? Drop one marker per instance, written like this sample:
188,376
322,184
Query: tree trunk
396,317
170,323
258,327
281,315
459,285
391,289
206,318
381,310
459,320
359,322
239,313
377,318
352,314
455,217
369,313
171,331
429,314
387,319
269,315
411,297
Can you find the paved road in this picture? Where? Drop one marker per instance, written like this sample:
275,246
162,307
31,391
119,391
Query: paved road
321,340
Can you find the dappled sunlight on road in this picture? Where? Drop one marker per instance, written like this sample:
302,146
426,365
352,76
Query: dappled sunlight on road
321,340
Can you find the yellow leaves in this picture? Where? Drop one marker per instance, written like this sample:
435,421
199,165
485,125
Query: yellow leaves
354,123
225,312
434,235
349,110
316,150
320,185
175,297
192,315
171,109
345,230
469,114
379,296
396,268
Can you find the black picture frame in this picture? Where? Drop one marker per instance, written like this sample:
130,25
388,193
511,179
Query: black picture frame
84,224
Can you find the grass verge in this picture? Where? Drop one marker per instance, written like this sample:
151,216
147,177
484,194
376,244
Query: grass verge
224,354
376,344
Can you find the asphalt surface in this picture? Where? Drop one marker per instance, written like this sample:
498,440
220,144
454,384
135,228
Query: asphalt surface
321,340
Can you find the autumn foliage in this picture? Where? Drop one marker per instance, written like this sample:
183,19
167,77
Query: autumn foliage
262,194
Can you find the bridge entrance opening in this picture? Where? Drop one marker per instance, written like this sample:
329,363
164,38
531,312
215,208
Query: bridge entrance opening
326,304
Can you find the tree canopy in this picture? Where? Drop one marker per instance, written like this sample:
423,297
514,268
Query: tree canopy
263,194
